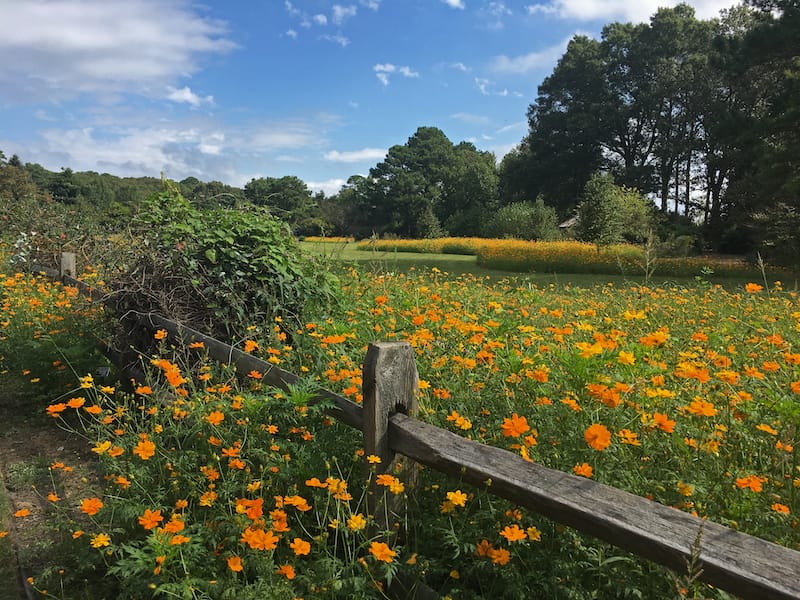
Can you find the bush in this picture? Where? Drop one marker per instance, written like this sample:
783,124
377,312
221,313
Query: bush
218,270
524,221
609,214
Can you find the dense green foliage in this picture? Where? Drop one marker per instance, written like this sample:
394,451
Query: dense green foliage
609,214
701,115
524,221
218,270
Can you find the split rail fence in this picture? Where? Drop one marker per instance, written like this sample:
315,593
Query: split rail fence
744,565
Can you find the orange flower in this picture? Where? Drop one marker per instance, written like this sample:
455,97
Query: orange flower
514,426
161,334
91,506
382,552
701,408
144,390
175,525
22,512
76,402
663,422
597,436
235,564
145,449
215,418
300,547
780,508
753,288
258,539
150,518
177,540
250,345
584,470
629,437
500,556
751,482
513,533
287,571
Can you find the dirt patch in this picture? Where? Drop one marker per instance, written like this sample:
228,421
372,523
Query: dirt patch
30,444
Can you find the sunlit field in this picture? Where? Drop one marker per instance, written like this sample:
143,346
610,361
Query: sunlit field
688,396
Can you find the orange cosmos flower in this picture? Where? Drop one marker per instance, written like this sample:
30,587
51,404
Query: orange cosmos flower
751,482
235,564
300,547
584,470
91,506
663,422
287,571
701,408
250,345
22,512
513,533
150,518
500,556
514,426
215,418
145,449
753,288
780,508
382,552
160,334
597,436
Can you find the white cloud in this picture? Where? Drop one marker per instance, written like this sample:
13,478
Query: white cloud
382,72
353,156
291,33
518,126
492,15
371,4
63,48
342,13
608,10
320,19
338,39
329,186
539,59
455,4
470,118
483,85
185,94
459,66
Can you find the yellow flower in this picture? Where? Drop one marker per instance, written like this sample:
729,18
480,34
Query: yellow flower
100,540
356,522
457,498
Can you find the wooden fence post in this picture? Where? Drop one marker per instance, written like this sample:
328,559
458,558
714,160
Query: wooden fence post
390,384
68,264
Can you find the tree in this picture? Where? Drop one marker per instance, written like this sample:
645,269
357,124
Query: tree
524,221
609,214
469,192
288,196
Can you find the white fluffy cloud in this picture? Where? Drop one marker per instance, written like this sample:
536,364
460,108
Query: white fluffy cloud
455,4
329,186
354,156
63,48
525,63
185,94
382,72
607,10
470,118
342,13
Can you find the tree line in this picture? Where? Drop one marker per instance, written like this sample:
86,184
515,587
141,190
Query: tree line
679,126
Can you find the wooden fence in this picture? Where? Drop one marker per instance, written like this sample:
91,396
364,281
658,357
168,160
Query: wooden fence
744,565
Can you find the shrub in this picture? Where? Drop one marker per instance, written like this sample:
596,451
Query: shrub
218,270
524,221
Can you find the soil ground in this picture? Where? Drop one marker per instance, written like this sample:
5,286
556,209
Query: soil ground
30,442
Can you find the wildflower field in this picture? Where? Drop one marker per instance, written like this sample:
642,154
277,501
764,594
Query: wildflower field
566,256
218,487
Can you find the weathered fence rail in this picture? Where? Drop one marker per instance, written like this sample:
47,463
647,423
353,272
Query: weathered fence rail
742,564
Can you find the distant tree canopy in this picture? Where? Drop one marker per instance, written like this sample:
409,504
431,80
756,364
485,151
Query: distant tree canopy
703,116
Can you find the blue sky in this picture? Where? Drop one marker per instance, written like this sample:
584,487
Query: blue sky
235,89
